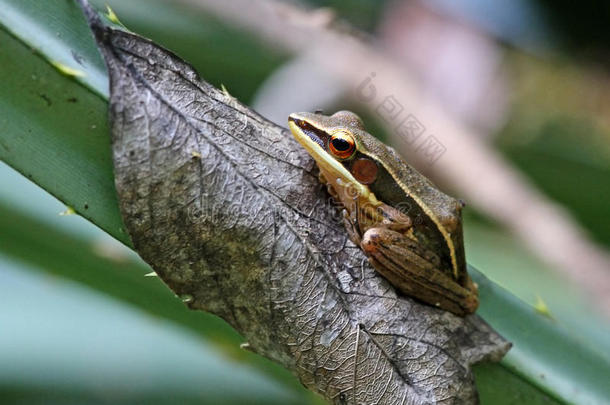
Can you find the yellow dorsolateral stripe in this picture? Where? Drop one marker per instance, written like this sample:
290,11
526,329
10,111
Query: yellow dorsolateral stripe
431,215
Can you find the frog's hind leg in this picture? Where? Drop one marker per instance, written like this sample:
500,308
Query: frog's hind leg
402,262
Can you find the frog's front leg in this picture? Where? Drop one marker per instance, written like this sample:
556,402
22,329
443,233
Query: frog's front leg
405,264
351,227
351,221
357,220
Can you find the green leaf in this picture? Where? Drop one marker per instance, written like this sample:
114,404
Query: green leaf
51,359
57,134
54,131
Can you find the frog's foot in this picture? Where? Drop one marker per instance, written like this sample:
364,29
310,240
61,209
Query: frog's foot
395,219
401,261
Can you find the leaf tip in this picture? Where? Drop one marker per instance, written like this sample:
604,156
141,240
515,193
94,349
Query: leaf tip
112,16
541,307
68,211
225,91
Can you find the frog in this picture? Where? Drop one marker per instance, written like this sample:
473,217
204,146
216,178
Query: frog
410,231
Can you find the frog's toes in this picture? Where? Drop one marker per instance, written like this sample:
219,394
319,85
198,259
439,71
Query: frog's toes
371,241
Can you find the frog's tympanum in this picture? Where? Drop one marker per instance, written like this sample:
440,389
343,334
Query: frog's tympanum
409,229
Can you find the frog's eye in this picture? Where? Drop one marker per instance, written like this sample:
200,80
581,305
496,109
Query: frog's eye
342,145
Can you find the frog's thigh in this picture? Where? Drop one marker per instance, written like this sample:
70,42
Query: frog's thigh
396,258
390,246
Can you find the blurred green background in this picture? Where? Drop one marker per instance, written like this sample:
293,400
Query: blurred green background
79,322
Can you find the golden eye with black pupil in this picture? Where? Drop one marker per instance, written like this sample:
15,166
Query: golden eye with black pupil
342,145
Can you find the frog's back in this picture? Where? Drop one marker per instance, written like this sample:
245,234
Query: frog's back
433,212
